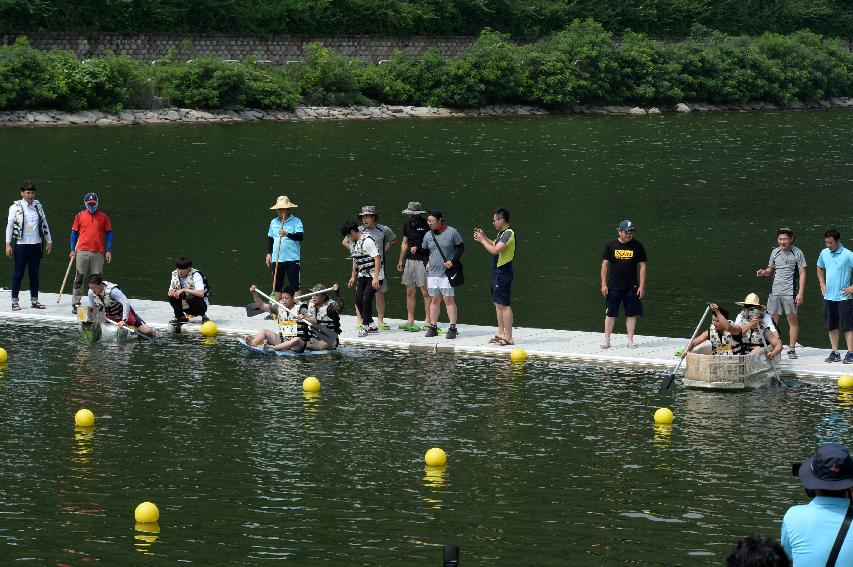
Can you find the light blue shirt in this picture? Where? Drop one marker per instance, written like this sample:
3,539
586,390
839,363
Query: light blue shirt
809,531
291,250
838,266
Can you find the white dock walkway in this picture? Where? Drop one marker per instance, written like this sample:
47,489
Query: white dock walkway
570,346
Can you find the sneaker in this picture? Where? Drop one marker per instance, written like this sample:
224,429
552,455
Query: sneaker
361,331
179,321
833,357
452,333
432,331
204,319
848,358
74,309
792,353
383,326
372,328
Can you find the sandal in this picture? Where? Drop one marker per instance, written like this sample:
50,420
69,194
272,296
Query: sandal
506,342
37,305
16,306
495,340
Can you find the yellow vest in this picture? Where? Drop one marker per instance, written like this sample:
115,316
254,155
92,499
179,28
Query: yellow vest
506,255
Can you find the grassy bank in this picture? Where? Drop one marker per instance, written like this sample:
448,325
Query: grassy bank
519,18
580,64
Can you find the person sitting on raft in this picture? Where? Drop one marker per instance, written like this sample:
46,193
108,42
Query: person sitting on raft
755,327
285,312
324,320
107,297
722,341
188,292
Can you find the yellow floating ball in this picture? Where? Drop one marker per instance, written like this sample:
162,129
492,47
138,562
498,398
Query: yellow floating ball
845,382
435,457
84,418
311,384
4,356
518,355
147,513
208,328
663,416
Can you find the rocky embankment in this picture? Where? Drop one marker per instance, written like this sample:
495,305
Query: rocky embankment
307,113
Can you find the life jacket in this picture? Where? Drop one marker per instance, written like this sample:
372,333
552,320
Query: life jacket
363,262
506,255
190,284
106,303
723,344
329,319
18,225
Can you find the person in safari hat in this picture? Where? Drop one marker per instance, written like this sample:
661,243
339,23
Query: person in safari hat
284,246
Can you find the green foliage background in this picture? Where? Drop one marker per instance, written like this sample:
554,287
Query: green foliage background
580,64
519,18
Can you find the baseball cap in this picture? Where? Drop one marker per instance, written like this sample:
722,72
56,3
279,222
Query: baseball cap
627,225
90,197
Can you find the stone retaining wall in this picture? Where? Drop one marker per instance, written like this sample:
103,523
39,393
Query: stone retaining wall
384,112
278,49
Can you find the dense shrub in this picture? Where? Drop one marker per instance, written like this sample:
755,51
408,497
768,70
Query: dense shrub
407,80
27,80
329,79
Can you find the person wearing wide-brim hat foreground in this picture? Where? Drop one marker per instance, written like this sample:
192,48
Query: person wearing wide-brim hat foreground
284,246
412,263
755,327
809,531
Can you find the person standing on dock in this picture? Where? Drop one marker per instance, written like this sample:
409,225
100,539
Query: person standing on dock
502,248
284,246
787,264
445,247
623,280
834,266
412,262
91,244
367,274
27,238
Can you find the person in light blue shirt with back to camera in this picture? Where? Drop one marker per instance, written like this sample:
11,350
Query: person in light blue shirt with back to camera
834,266
284,246
810,531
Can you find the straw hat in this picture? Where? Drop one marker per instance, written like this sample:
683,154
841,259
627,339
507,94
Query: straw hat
751,299
283,203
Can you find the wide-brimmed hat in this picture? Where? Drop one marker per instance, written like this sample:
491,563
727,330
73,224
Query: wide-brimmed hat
414,208
831,468
318,287
751,299
283,203
368,210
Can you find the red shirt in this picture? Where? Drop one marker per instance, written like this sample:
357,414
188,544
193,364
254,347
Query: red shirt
92,229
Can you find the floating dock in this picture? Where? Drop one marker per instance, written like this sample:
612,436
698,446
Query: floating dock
552,344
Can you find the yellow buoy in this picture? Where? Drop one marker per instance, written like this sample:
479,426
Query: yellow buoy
845,382
311,384
208,328
518,355
4,356
435,457
84,418
147,513
663,416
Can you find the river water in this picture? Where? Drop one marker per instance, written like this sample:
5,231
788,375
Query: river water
549,463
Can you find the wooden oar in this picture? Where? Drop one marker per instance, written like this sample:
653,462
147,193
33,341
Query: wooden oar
666,384
129,329
64,279
777,371
277,256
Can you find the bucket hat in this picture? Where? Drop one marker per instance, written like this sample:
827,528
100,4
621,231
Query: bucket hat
317,287
414,208
751,299
627,226
831,468
368,210
283,202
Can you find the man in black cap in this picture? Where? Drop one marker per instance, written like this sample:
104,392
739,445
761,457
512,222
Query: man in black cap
621,284
810,531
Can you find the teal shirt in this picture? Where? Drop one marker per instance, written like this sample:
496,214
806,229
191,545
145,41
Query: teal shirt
838,266
809,531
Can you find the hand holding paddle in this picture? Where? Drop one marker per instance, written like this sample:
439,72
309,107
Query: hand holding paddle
666,384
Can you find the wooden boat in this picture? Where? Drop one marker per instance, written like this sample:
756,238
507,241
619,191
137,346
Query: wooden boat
738,372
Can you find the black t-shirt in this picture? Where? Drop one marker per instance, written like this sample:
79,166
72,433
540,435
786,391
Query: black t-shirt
414,230
623,260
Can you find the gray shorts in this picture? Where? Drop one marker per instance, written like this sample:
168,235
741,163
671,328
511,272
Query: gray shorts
383,286
779,304
414,274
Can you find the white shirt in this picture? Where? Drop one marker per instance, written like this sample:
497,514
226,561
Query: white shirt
30,233
198,283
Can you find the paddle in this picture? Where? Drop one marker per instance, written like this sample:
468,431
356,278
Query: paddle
777,372
323,333
130,330
64,279
666,384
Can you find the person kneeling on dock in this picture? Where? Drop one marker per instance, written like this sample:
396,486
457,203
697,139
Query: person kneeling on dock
188,292
755,327
722,340
107,297
285,313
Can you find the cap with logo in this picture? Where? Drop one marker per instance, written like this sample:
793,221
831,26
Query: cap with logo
627,226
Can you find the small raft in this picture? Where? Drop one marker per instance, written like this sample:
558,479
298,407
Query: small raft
705,371
271,352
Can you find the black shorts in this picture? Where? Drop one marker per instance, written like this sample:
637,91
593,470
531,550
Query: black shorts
286,269
501,288
839,314
628,298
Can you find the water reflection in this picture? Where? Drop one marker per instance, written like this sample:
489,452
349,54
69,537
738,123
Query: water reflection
145,538
662,436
